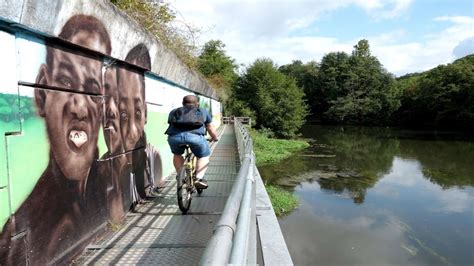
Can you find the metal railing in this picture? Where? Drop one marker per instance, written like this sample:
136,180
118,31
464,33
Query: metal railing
234,237
230,120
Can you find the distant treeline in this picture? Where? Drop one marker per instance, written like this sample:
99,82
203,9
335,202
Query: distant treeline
13,107
341,89
356,89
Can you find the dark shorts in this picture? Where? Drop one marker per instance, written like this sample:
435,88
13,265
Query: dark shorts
198,144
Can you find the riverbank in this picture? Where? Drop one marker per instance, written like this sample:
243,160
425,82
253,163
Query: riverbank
268,151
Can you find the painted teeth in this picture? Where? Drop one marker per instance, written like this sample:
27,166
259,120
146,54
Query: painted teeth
78,137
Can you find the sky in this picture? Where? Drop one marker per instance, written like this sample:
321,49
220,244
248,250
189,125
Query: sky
405,35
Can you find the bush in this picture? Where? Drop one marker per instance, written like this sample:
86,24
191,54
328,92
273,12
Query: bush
283,201
275,98
268,150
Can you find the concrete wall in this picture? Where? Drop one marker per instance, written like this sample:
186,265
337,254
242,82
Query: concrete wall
48,17
84,99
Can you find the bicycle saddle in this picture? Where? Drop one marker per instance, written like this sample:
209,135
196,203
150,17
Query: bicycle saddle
183,145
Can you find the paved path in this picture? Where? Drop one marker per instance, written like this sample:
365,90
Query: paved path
158,233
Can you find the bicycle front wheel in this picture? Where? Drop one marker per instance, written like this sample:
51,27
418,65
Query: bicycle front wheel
184,191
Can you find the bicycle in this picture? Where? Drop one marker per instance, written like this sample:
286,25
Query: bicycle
185,180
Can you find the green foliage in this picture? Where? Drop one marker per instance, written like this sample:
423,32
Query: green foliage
269,150
356,89
283,201
11,106
440,97
160,20
306,76
333,74
239,108
5,109
217,67
353,89
275,98
366,94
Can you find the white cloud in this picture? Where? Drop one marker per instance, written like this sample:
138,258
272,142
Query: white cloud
254,29
384,9
464,48
406,173
426,53
457,19
454,200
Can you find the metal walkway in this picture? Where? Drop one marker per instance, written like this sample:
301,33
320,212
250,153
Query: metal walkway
158,233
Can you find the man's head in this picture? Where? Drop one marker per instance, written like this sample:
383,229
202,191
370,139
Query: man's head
190,101
73,118
132,106
112,134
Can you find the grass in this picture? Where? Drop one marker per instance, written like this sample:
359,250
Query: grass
283,201
269,150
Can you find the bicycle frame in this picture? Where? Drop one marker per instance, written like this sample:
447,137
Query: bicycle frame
190,164
185,181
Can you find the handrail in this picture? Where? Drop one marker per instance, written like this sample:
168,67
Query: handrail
243,119
231,240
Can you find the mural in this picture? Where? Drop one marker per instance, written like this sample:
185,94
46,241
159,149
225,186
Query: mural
91,136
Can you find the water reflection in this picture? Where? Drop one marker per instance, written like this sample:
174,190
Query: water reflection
378,196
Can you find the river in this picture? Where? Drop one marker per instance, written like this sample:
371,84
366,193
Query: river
379,196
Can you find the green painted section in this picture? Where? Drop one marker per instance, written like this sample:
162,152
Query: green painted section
28,156
9,122
155,131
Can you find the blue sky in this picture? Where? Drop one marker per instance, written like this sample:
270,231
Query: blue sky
406,35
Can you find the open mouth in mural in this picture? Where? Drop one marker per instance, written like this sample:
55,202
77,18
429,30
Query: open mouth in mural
111,125
77,137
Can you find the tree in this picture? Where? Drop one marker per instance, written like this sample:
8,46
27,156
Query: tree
440,97
306,76
333,73
6,112
217,67
158,18
364,93
275,98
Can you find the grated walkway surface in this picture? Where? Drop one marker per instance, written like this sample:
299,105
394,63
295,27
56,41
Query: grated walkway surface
158,233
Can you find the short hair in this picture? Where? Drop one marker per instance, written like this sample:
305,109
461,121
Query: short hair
140,56
190,100
78,23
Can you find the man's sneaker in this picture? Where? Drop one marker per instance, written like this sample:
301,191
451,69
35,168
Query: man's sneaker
200,183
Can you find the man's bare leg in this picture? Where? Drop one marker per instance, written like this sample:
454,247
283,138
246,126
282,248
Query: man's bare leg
178,161
201,167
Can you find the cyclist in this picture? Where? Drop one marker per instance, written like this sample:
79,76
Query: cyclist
188,125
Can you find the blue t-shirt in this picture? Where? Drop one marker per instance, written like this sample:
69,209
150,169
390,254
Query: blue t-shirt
172,130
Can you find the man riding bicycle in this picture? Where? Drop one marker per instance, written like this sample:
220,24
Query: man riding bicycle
187,126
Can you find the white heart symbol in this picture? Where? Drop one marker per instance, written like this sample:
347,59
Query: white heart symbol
78,137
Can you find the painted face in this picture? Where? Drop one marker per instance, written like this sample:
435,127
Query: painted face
112,133
73,119
132,108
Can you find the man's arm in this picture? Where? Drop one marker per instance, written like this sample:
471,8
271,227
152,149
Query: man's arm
212,131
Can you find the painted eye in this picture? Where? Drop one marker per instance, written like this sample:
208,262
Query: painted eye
65,81
96,99
138,113
92,86
123,115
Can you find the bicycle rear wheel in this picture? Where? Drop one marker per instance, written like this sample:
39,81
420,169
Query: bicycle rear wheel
183,191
